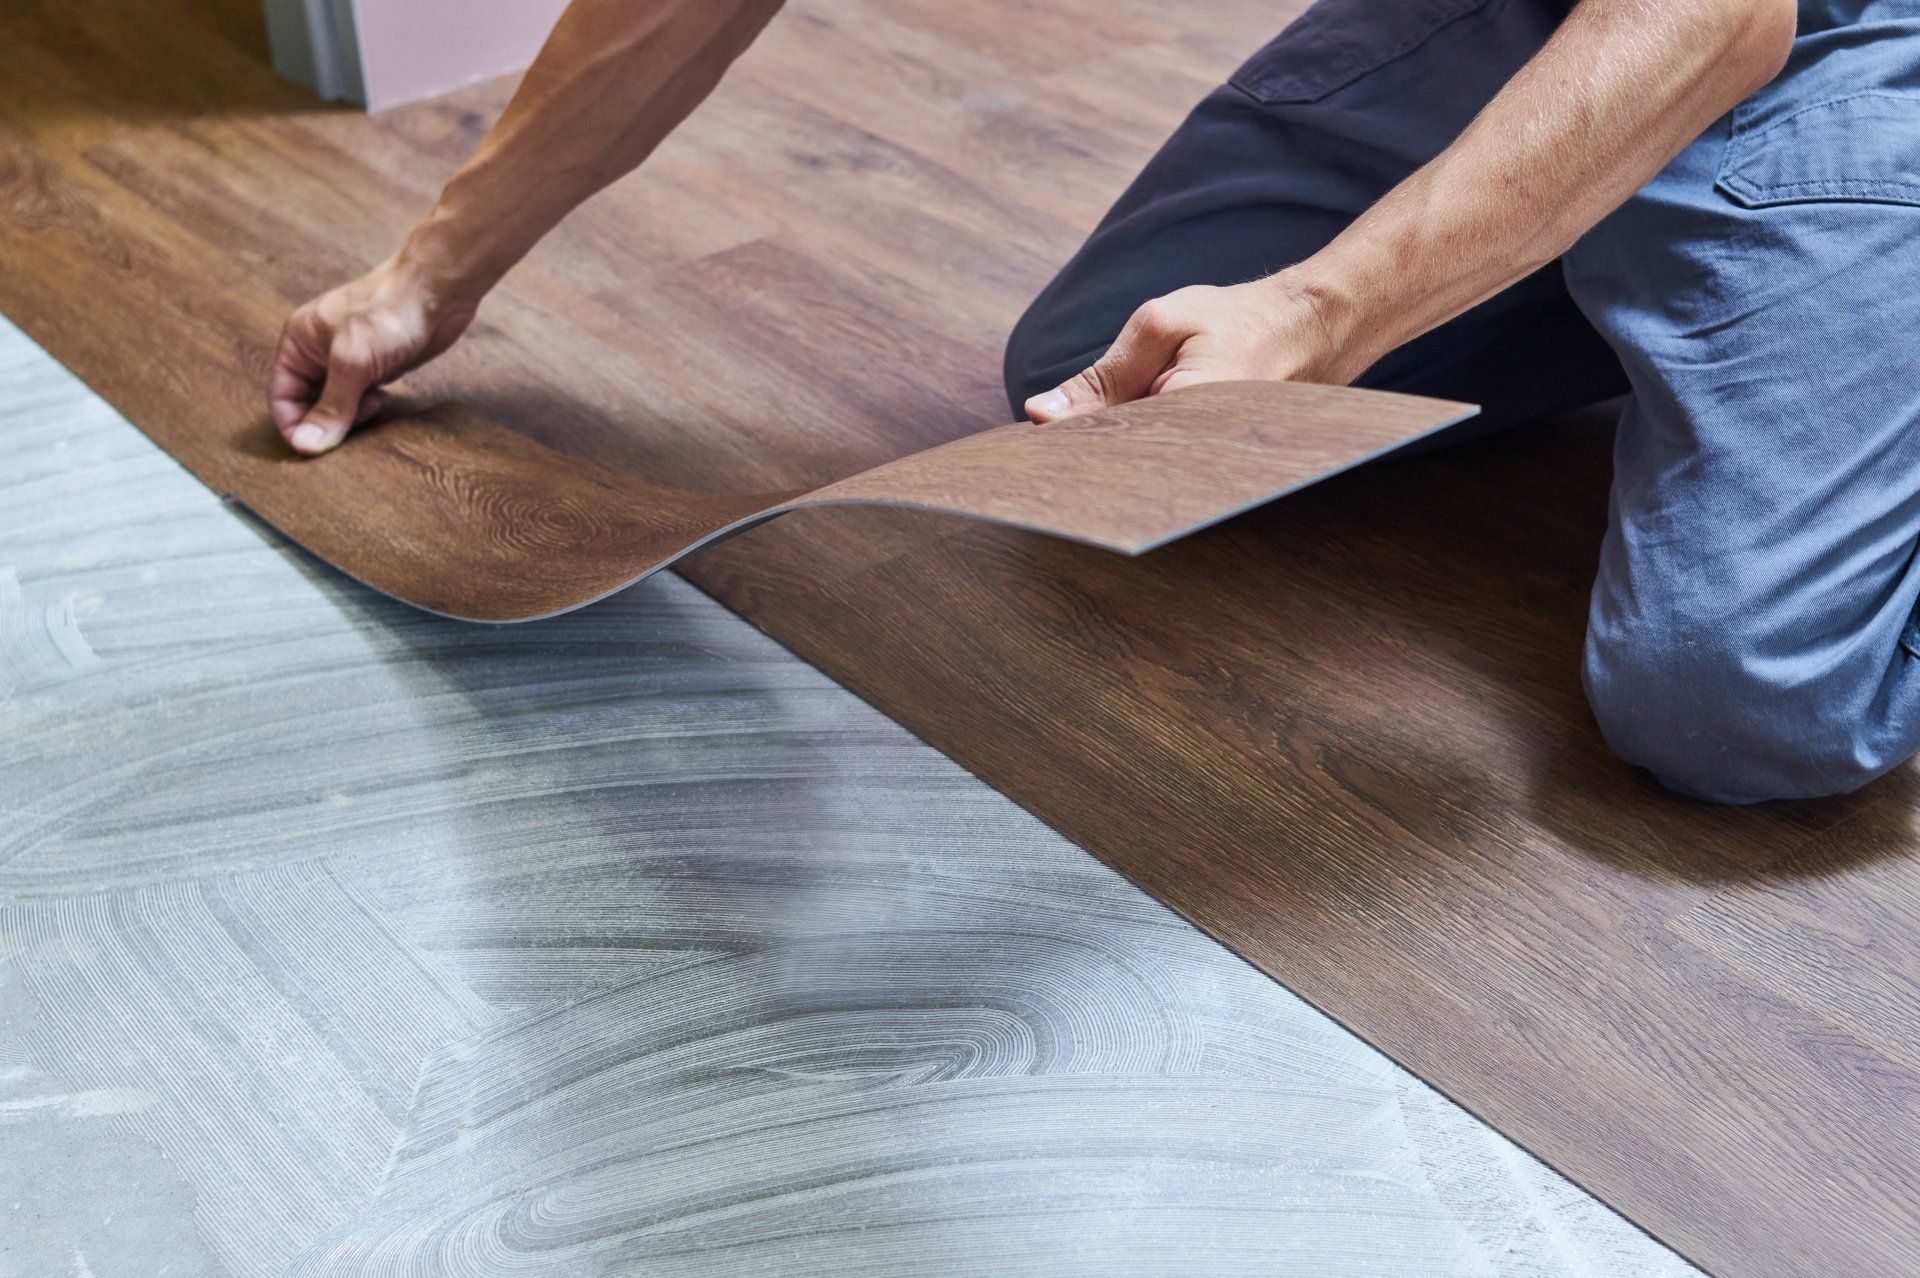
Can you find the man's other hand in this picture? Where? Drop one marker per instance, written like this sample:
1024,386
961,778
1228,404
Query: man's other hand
1274,329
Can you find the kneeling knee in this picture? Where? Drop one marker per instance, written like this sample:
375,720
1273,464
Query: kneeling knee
1708,721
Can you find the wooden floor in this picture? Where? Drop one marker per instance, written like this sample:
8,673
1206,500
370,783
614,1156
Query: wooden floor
1343,735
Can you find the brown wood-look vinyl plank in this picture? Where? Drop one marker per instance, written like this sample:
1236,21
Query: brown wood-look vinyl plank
1846,905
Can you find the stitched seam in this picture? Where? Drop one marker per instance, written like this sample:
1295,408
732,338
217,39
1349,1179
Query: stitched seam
1361,64
1822,184
1832,189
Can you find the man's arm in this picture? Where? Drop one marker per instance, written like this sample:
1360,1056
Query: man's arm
614,78
1618,91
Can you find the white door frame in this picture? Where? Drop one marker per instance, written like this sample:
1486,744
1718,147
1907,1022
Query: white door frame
316,43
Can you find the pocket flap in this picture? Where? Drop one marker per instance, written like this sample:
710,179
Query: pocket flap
1864,146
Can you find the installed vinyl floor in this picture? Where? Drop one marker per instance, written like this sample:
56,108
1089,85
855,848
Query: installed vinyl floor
336,938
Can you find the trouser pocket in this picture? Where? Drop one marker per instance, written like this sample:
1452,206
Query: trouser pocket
1841,122
1338,41
1861,146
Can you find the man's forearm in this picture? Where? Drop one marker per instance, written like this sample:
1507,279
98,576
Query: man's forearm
1615,94
612,81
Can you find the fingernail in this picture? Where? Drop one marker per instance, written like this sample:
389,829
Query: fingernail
308,438
1054,403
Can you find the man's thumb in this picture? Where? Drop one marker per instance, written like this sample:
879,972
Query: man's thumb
1143,349
1076,395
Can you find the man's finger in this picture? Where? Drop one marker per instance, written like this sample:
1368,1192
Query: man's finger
288,399
296,378
350,374
1139,354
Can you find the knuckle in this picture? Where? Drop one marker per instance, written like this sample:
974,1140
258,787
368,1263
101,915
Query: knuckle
1154,317
304,334
312,323
1098,381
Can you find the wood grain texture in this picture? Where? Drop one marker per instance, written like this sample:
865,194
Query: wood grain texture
1136,477
459,516
1343,733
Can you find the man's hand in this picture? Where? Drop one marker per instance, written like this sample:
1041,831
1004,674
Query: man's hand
1269,330
1620,87
612,80
338,349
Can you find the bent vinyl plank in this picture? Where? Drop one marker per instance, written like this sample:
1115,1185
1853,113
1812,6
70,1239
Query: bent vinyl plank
1342,733
477,522
448,510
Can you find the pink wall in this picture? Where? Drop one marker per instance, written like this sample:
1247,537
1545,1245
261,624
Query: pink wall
416,48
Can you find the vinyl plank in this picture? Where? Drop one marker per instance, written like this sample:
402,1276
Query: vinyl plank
1847,903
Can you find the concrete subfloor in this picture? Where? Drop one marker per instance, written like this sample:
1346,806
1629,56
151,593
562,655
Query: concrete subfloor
338,938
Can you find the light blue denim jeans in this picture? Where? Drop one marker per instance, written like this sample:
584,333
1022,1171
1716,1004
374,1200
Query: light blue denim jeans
1752,631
